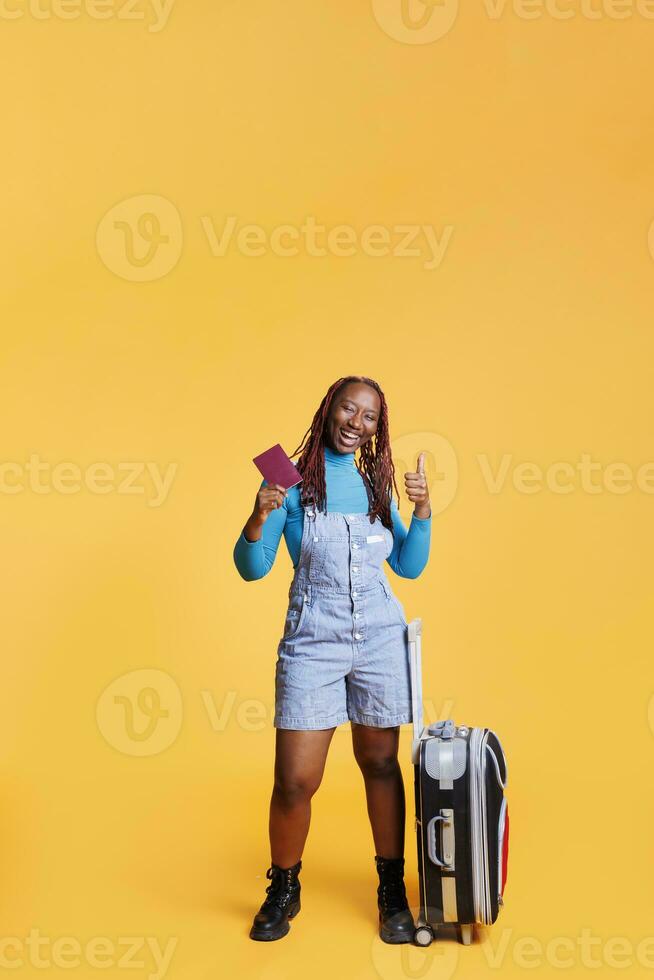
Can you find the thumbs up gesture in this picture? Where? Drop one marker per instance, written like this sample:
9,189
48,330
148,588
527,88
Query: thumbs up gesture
416,489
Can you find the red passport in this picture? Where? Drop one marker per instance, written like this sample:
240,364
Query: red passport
276,467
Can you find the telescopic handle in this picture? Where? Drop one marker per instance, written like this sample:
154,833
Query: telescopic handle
415,664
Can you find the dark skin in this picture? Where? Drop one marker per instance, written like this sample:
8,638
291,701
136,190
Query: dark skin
300,756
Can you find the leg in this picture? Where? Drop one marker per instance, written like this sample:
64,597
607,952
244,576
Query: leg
299,765
375,750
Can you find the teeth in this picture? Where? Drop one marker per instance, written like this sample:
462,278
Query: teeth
350,438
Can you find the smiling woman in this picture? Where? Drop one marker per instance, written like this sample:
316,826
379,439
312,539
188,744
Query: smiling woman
351,422
343,652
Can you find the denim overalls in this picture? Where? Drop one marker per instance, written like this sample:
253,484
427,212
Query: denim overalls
344,653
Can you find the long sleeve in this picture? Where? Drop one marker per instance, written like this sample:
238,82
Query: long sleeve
254,559
410,548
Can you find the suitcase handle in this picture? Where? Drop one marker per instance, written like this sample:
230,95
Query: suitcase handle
502,782
415,668
431,840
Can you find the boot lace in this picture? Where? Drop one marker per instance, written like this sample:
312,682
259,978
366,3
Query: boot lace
392,891
279,889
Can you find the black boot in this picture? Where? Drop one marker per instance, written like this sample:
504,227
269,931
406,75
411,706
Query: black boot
396,923
282,903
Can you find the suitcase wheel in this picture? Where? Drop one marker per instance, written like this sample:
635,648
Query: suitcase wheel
465,934
423,936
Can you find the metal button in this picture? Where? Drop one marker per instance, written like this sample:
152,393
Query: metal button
356,615
315,537
357,636
355,568
355,594
355,546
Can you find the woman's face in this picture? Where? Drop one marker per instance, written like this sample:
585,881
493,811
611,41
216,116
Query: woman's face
355,410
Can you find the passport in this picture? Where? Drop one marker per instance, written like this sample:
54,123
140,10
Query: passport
276,467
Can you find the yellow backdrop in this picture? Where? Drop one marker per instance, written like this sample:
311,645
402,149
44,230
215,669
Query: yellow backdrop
211,211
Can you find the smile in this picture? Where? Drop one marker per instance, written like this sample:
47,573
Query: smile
349,438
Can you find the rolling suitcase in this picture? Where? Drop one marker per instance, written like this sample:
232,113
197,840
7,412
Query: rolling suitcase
462,820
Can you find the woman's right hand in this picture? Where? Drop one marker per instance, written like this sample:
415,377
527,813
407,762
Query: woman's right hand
269,498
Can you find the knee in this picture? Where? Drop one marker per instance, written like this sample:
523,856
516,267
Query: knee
292,790
378,765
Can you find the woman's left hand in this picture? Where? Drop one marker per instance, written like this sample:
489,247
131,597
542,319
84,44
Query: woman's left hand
416,489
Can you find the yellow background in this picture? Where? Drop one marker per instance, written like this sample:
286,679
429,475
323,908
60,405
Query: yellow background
533,338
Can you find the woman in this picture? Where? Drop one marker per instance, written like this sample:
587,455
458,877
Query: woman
343,655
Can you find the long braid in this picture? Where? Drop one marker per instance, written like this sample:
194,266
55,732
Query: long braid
375,466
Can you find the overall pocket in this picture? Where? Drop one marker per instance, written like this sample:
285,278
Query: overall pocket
296,614
329,558
398,606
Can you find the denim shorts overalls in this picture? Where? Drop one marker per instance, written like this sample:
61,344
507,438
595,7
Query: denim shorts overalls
344,652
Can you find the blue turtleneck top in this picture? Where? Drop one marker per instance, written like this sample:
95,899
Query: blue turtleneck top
346,494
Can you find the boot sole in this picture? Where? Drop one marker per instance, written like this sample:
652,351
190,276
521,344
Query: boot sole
266,937
390,938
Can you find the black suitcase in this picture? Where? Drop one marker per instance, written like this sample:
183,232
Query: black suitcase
462,820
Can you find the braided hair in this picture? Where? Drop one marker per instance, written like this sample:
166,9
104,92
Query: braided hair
375,466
